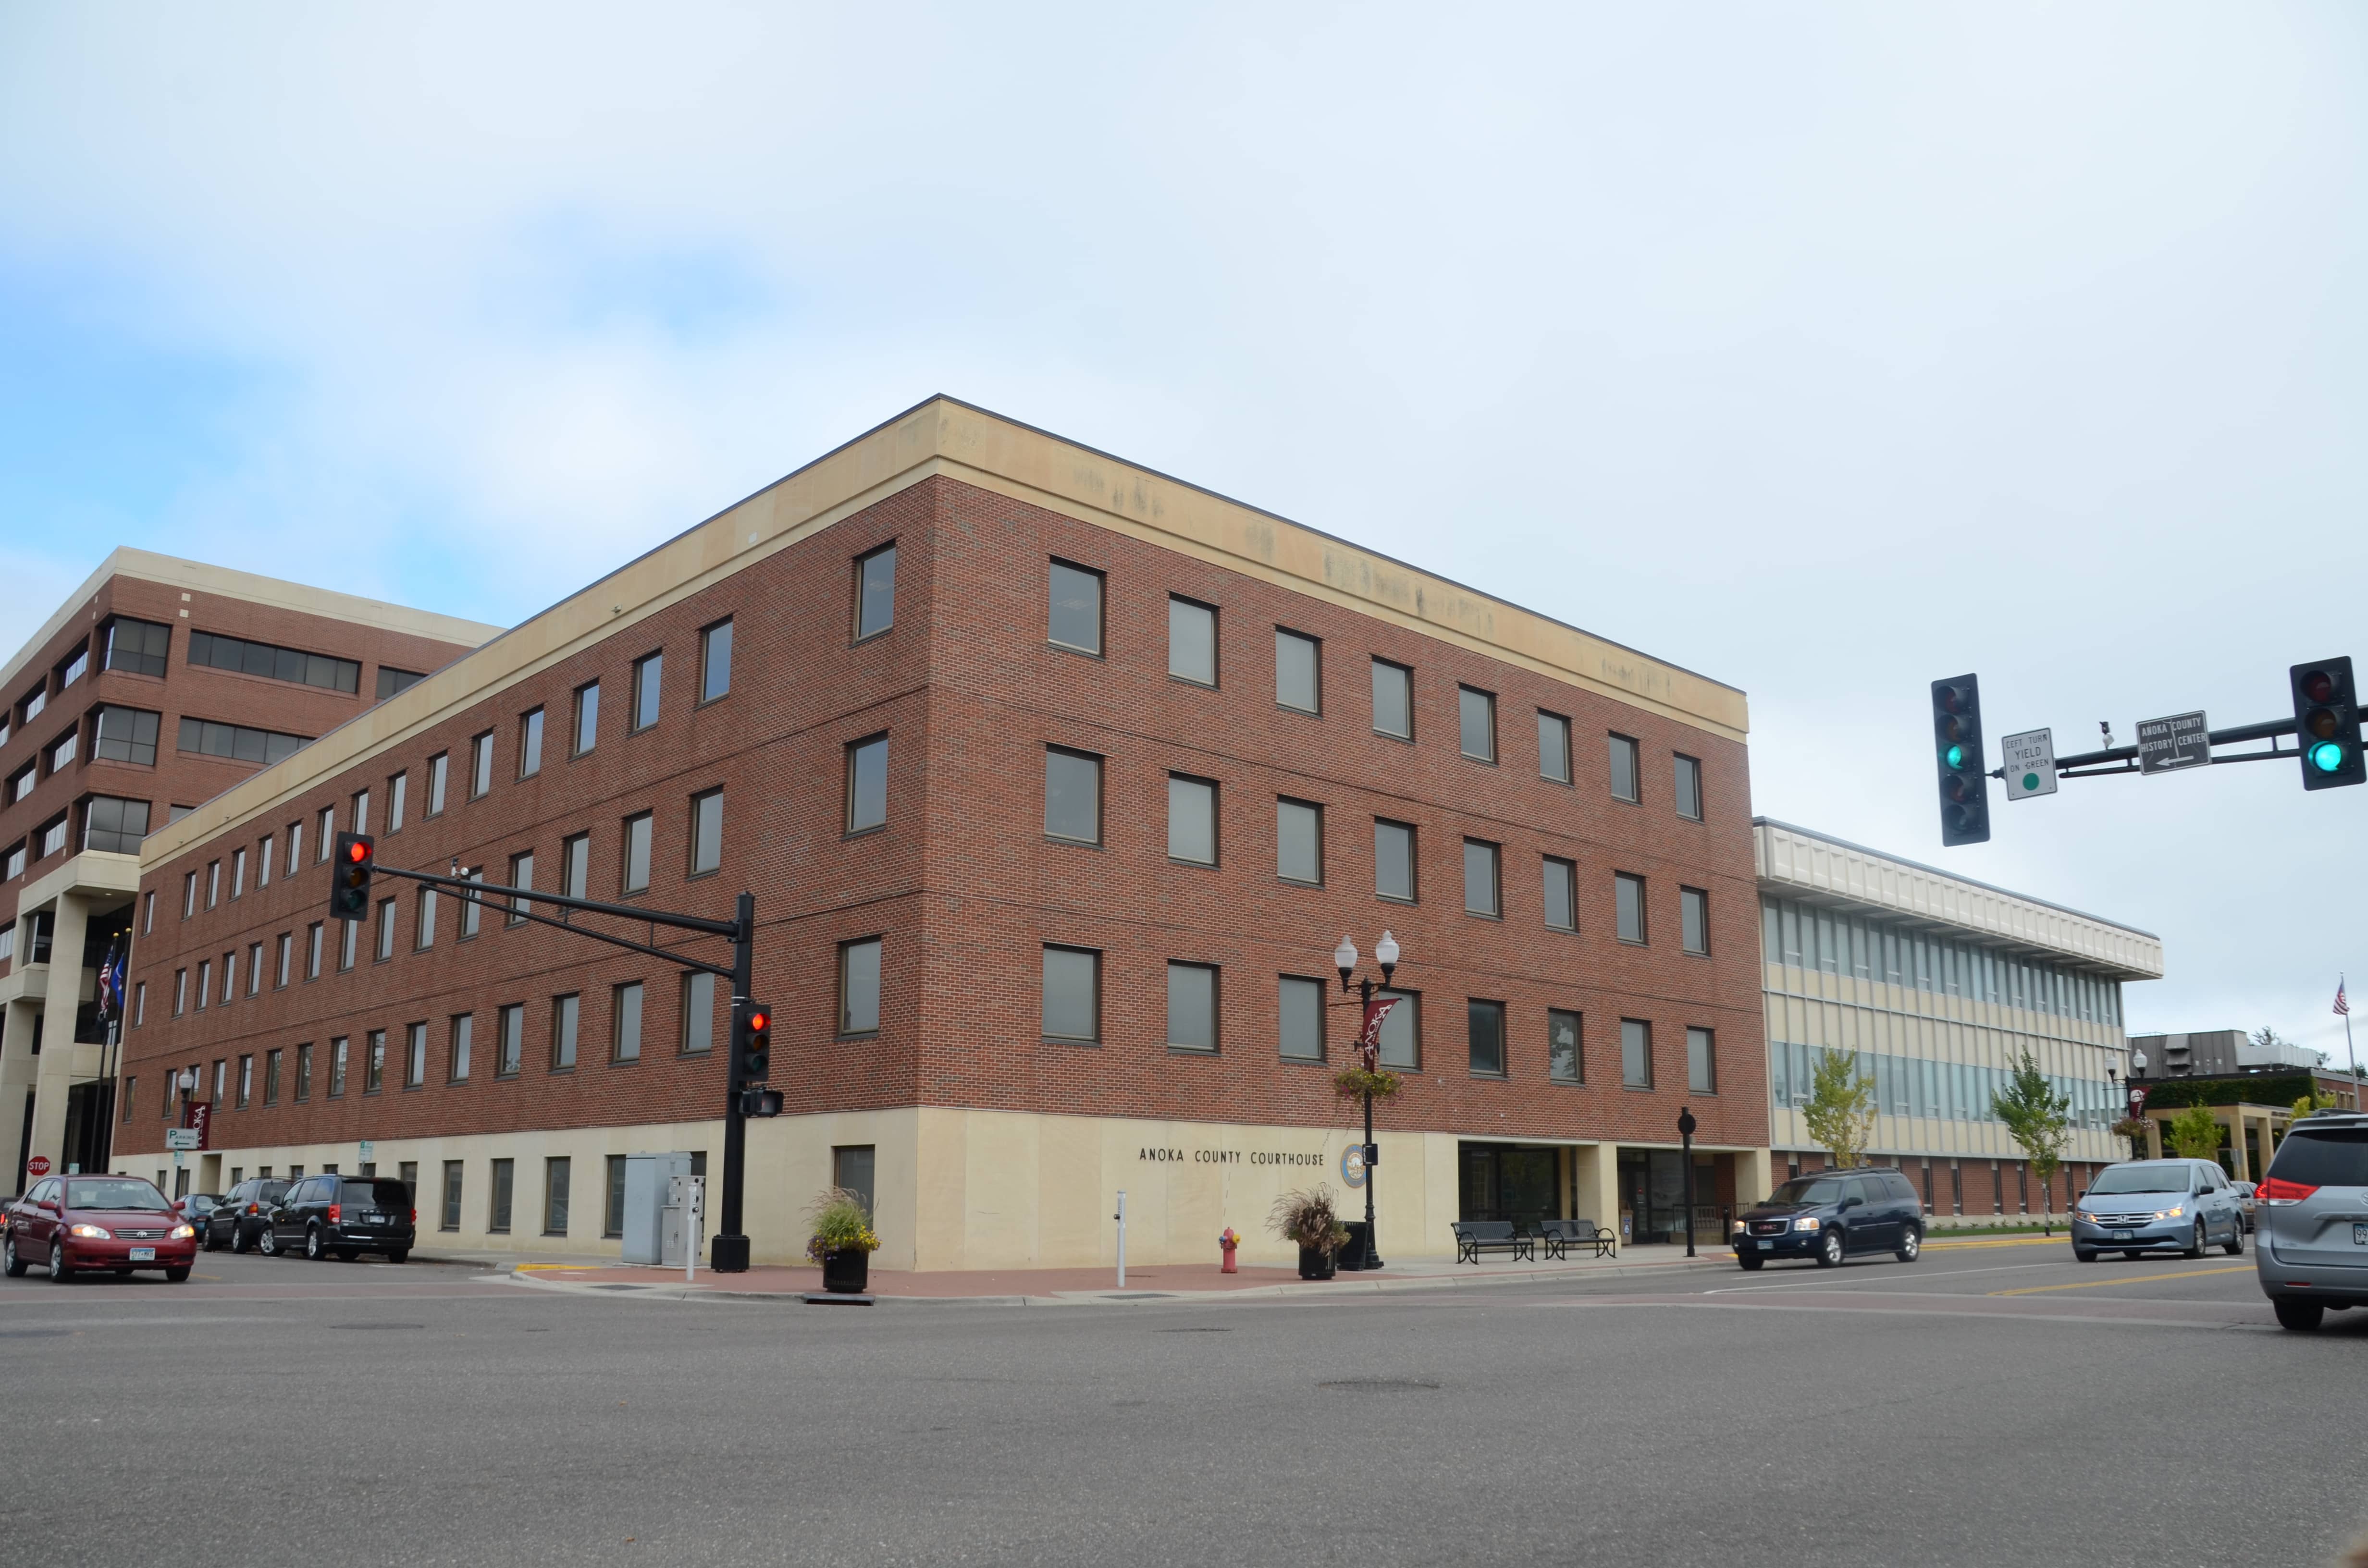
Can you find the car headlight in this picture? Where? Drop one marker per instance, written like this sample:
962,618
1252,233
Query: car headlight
2173,1212
90,1233
1807,1222
184,1232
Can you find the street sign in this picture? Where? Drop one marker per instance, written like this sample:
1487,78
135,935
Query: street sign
2029,764
2181,740
369,1151
182,1138
38,1165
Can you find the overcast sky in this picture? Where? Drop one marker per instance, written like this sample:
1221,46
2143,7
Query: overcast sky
1824,350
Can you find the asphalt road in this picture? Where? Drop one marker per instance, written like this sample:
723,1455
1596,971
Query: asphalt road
1992,1404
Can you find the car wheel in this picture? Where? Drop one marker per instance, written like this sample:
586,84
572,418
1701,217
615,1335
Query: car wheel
10,1264
2235,1245
1750,1261
2302,1316
400,1255
1829,1250
2195,1248
59,1272
312,1248
239,1240
2084,1255
267,1243
1911,1245
179,1276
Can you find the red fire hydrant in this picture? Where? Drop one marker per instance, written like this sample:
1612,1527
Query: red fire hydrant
1229,1242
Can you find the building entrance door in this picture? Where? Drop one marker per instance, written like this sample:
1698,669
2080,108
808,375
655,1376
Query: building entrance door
1509,1181
1653,1194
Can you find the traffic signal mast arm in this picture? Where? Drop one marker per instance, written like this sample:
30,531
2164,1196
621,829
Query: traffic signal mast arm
469,890
2093,762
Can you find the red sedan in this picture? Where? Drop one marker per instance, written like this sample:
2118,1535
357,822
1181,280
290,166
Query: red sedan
79,1225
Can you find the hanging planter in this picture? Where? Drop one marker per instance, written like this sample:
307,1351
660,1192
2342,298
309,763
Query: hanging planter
1355,1082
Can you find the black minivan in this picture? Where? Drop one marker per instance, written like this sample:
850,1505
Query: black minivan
346,1215
1832,1214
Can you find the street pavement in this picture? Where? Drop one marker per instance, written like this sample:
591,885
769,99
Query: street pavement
1994,1403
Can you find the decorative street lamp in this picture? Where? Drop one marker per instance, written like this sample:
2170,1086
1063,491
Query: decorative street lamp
1686,1125
1368,1049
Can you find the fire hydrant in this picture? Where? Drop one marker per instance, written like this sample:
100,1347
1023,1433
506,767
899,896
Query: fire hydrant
1229,1242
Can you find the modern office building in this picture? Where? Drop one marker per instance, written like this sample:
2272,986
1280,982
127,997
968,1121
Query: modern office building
1055,782
157,685
2205,1053
1937,984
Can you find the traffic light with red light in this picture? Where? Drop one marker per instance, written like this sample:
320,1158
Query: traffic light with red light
2326,724
1957,751
350,865
752,1044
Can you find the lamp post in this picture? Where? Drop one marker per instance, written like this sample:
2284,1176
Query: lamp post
1686,1125
1369,1038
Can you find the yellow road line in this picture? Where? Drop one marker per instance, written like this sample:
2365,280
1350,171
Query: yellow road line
2128,1279
2002,1241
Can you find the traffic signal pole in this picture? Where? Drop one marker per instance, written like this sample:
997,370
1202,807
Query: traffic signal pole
731,1253
2093,763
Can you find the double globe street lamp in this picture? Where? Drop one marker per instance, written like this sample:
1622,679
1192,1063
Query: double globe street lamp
1369,1044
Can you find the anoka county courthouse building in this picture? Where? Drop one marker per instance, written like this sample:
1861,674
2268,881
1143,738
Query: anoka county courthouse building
1055,781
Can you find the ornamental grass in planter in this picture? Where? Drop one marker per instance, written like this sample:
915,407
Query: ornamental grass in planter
842,1241
1308,1218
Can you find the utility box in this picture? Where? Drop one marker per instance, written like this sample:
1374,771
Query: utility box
657,1199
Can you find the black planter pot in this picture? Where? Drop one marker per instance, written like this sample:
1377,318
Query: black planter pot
847,1273
1314,1265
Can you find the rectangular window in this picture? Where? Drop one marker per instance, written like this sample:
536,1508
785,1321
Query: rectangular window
283,959
1624,769
240,743
1693,919
1561,894
138,991
1191,1007
238,873
312,950
211,652
1191,641
1689,790
555,1196
303,1073
706,833
716,661
424,922
1072,994
1475,722
875,592
1566,1062
450,1220
1635,1053
625,1009
61,754
613,1207
74,667
1191,820
374,1062
230,977
481,765
1481,885
1072,795
326,830
859,987
529,743
521,876
1702,1061
566,1012
255,969
1300,1009
1299,842
1401,1044
361,812
148,913
414,1056
113,826
438,766
130,1092
385,929
509,1045
1629,897
1394,860
137,647
125,734
213,883
575,865
649,678
271,1077
637,853
1392,700
1076,615
471,907
697,1013
263,862
337,1067
1298,672
349,942
295,847
1485,1022
1553,746
588,717
497,1218
205,983
398,796
462,1038
867,784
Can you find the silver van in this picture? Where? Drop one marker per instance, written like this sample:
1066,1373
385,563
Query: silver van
2143,1206
2311,1216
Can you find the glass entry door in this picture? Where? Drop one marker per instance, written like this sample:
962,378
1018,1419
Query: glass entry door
1509,1181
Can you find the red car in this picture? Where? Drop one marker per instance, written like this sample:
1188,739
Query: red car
85,1223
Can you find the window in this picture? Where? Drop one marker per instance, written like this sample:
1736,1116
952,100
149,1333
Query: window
1693,920
361,811
414,1056
521,876
875,592
529,743
130,1091
38,699
1702,1061
509,1044
1392,700
637,853
697,1013
1299,841
238,873
240,743
205,983
246,1080
180,985
612,1207
1561,894
565,1013
649,678
867,784
74,667
304,1073
423,935
1072,795
312,950
625,1011
398,795
349,942
716,661
113,826
1300,1019
852,1166
1475,723
1624,769
137,647
255,969
706,833
53,834
1191,1007
208,651
1629,896
139,990
575,865
385,931
463,1040
1689,790
1401,1044
125,734
1076,617
62,750
263,862
337,1067
230,977
374,1062
1485,1022
1298,672
555,1196
1394,860
1553,747
1635,1053
271,1077
295,847
1565,1061
16,867
1480,880
859,987
391,681
481,765
438,766
1072,994
497,1215
326,829
450,1220
1191,820
22,784
1191,641
283,959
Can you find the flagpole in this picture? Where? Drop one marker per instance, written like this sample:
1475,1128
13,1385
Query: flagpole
2350,1056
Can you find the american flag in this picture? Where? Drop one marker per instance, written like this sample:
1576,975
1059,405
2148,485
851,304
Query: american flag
2340,1005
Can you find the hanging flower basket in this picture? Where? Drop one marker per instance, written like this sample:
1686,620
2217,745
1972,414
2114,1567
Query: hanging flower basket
1352,1083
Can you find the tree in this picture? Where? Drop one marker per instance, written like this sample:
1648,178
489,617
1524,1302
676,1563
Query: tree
2195,1133
2268,1038
2312,1104
1841,1113
2040,1121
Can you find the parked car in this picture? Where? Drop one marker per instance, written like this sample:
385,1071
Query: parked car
197,1209
346,1215
2246,1203
2143,1206
1832,1214
239,1219
2313,1217
79,1225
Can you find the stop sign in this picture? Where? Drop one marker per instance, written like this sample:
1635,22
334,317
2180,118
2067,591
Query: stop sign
38,1165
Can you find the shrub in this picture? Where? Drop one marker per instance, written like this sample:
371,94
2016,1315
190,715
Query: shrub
840,1224
1307,1217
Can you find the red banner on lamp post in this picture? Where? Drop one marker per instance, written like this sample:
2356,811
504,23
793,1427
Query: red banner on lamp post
1369,1038
200,1114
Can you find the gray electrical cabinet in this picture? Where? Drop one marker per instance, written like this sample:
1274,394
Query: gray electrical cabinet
656,1205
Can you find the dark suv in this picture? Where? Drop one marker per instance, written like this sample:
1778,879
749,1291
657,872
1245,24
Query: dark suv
346,1215
2312,1219
238,1218
1832,1214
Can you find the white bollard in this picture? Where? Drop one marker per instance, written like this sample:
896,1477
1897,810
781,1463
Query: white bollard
1121,1239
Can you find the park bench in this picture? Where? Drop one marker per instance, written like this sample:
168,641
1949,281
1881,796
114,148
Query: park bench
1561,1235
1474,1237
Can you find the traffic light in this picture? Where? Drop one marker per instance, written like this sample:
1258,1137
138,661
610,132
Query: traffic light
2326,724
760,1102
355,858
753,1046
1957,751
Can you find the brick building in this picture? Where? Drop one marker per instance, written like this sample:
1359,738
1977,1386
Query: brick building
157,685
1055,781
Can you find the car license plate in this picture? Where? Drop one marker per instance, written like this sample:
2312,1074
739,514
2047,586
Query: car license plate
2122,1236
2359,1234
143,1255
1770,1246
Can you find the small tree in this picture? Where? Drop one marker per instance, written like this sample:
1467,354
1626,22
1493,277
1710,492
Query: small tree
1841,1113
2195,1133
2268,1038
2312,1104
2040,1121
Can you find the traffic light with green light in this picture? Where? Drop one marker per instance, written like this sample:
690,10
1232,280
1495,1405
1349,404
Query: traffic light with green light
350,865
1957,751
2326,724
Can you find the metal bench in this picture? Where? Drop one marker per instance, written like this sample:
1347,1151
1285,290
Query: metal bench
1561,1235
1474,1237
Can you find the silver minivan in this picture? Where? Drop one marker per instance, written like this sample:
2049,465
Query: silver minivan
2143,1206
2311,1216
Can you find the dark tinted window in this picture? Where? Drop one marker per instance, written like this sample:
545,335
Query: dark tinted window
270,1192
1808,1189
388,1195
1901,1191
2336,1156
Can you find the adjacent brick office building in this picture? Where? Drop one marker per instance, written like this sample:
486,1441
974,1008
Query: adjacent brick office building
1056,782
158,684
